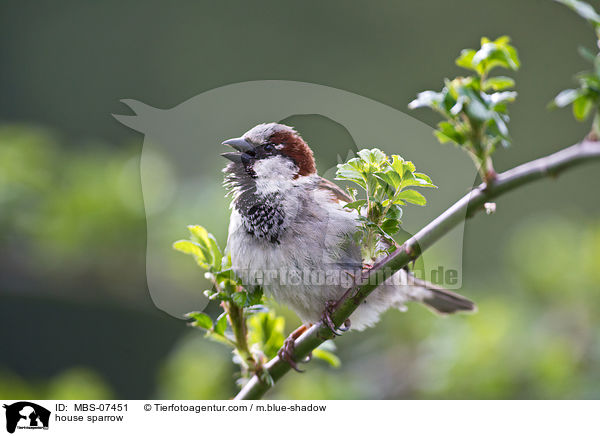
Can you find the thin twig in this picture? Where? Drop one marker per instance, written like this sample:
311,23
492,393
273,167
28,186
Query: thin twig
549,166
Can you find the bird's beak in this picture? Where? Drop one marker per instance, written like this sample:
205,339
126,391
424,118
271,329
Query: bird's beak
241,145
233,156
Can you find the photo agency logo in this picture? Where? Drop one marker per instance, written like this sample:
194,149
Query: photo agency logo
182,178
25,415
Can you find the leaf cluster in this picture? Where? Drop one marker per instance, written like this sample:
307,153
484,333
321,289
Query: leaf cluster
584,99
387,184
475,106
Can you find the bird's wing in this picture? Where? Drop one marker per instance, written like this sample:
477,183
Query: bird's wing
338,193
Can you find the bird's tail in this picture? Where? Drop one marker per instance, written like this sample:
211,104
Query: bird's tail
441,300
444,302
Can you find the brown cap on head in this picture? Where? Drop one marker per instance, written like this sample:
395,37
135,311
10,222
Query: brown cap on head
283,140
295,147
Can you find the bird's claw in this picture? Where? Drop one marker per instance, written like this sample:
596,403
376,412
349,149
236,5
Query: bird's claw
346,326
328,321
286,353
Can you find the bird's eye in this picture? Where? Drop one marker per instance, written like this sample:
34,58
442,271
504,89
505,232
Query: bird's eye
269,147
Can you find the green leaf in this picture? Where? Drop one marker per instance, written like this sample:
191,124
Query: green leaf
199,234
394,212
583,9
458,106
397,164
325,352
358,204
221,324
498,83
424,180
212,295
203,246
255,297
448,132
514,57
450,91
188,247
500,125
465,59
409,168
590,81
495,53
430,99
390,178
372,184
229,287
239,298
328,357
226,274
441,137
390,226
412,196
352,171
208,244
200,319
582,107
374,156
476,108
352,192
502,97
566,97
267,331
216,253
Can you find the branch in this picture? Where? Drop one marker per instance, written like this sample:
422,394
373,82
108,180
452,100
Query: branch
466,207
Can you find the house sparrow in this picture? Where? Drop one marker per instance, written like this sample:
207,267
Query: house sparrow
290,233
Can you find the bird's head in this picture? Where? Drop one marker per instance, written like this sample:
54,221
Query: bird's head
269,151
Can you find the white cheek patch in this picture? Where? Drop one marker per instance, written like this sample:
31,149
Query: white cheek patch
272,172
275,167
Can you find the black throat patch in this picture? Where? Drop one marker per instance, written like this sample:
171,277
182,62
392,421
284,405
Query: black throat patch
262,216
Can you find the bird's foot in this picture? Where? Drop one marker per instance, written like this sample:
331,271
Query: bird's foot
286,352
328,320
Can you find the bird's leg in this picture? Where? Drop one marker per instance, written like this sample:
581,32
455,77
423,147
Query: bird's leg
326,317
286,353
330,306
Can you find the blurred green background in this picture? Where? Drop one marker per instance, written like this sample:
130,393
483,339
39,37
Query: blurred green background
76,320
